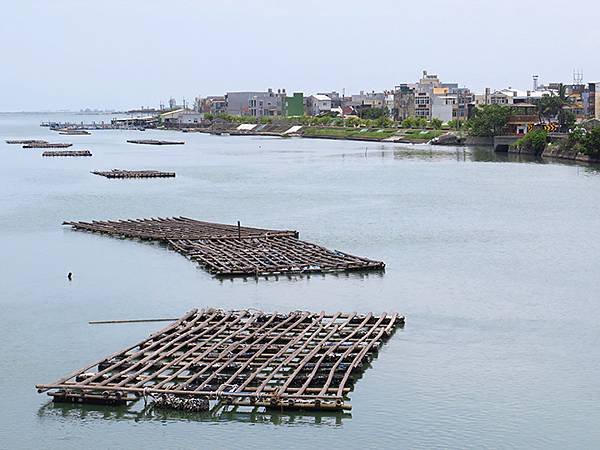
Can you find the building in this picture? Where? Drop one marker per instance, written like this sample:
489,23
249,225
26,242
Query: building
404,102
443,107
593,101
294,105
318,104
267,104
423,104
337,101
524,117
368,100
180,117
214,105
512,96
238,103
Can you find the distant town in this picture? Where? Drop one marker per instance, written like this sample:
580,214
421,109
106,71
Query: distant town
554,119
429,98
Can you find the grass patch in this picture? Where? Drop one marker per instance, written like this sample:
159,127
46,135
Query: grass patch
348,132
422,135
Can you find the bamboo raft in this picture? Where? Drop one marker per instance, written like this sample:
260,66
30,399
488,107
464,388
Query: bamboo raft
227,250
69,132
119,173
68,153
154,142
25,141
44,144
299,360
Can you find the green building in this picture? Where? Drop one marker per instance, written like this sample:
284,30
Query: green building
294,106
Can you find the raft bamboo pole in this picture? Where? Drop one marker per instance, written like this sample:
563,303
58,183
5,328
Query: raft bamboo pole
99,322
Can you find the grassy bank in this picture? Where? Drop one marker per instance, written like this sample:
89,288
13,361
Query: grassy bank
348,133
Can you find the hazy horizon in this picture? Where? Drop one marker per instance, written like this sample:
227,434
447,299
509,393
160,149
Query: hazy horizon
69,54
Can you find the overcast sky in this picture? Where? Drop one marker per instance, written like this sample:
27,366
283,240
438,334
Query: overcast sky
126,53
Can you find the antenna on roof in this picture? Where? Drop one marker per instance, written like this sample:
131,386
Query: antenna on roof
577,76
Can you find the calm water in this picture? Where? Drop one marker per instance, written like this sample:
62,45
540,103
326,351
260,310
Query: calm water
493,262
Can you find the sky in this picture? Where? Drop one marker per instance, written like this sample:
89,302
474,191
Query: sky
120,54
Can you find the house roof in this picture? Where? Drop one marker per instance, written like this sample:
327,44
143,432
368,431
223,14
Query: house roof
177,112
321,97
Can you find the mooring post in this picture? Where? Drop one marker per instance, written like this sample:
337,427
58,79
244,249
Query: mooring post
239,230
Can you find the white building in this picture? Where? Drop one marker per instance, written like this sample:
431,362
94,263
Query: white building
181,117
442,107
512,96
319,104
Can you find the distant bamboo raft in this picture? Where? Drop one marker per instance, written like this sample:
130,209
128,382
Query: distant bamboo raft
39,144
154,142
26,141
298,360
68,153
227,250
70,132
118,173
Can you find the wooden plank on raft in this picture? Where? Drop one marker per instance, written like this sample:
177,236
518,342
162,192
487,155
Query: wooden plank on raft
297,360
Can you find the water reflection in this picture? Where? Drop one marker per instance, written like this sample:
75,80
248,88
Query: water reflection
356,275
138,412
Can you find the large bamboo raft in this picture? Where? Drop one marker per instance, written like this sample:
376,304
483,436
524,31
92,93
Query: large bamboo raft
299,360
227,250
119,173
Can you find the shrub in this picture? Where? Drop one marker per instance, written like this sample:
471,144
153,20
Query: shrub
535,141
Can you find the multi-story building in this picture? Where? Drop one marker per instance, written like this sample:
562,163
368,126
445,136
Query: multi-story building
238,103
294,105
512,96
368,100
214,105
337,101
318,104
423,104
593,101
443,107
404,102
267,103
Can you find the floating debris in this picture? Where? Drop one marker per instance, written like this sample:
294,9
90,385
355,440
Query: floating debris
68,153
227,250
154,142
118,173
298,360
44,144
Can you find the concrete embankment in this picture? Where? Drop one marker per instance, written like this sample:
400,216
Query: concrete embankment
573,154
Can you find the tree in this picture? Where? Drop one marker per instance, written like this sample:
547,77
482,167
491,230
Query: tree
591,142
566,119
421,122
549,107
372,113
455,124
383,122
352,122
435,123
489,120
409,122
